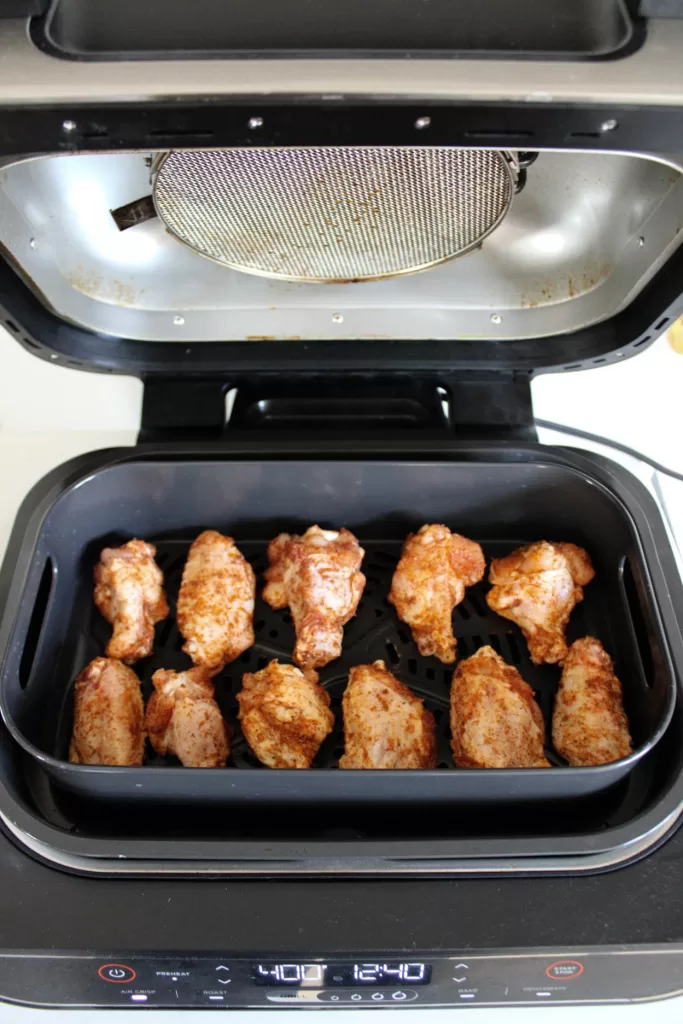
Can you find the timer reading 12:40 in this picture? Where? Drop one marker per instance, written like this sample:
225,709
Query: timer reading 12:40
324,975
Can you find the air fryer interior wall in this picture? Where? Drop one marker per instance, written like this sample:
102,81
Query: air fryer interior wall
578,244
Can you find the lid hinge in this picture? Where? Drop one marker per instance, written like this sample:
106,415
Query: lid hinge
473,405
182,409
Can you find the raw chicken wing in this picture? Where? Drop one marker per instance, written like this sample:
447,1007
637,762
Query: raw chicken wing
495,720
318,576
385,725
216,602
430,580
537,587
589,723
108,715
182,718
129,593
285,715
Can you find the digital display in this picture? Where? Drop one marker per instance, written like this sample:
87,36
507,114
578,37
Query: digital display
330,975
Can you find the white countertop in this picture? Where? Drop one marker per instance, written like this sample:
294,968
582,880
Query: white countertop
49,414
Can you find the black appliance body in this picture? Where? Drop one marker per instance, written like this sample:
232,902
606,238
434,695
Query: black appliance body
570,891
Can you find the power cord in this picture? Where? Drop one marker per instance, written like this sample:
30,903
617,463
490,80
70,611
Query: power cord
562,429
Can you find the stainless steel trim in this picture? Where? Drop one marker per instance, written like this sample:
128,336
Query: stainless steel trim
651,75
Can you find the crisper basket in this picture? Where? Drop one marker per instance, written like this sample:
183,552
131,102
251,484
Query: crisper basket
57,630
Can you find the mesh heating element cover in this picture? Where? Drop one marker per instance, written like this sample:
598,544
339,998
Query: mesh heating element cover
333,214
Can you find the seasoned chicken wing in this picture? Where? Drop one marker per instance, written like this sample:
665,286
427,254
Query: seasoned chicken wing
285,715
216,602
108,715
495,720
129,593
183,718
537,587
436,566
318,576
589,722
385,725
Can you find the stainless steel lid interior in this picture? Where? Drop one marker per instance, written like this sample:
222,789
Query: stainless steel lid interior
574,247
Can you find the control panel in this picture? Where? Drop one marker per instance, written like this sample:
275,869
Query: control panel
525,977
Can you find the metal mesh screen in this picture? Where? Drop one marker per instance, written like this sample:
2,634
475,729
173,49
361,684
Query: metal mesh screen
333,214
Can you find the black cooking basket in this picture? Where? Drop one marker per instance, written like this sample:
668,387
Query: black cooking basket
58,631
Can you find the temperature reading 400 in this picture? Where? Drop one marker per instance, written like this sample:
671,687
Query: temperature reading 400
376,973
329,975
290,974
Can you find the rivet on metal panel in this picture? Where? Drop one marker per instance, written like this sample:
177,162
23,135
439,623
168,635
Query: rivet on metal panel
641,242
337,318
496,318
423,122
32,243
69,126
178,320
256,122
609,125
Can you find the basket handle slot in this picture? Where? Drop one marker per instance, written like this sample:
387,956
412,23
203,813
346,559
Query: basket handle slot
639,626
36,622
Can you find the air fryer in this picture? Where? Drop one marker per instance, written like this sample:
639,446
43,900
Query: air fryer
336,304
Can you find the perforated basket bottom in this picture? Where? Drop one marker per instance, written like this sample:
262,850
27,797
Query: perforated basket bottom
375,633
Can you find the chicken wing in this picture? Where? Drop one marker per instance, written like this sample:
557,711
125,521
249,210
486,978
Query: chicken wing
436,566
495,720
385,725
182,718
318,576
285,715
129,593
589,722
108,715
537,587
216,602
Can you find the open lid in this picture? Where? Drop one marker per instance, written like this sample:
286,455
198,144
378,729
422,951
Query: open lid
331,233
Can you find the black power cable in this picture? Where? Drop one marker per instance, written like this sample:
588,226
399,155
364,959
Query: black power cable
562,429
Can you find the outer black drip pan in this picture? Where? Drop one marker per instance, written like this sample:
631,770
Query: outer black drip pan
56,630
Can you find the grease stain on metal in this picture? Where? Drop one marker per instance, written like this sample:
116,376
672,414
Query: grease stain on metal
273,337
546,293
96,286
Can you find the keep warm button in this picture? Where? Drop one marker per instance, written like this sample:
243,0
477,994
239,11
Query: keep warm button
564,970
119,974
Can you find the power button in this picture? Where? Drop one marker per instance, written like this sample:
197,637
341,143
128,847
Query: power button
116,973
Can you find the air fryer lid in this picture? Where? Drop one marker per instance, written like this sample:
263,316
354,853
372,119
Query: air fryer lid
580,265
